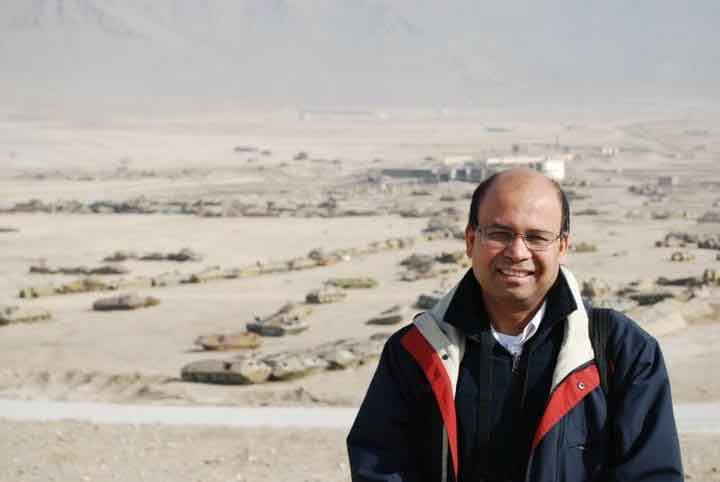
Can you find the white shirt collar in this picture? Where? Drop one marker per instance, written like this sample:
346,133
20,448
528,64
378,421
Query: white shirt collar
514,343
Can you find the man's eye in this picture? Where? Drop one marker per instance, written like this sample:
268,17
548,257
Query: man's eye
536,237
499,235
539,237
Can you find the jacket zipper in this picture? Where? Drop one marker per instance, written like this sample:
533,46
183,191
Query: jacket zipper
516,362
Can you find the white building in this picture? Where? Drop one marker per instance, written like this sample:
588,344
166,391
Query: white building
457,159
553,168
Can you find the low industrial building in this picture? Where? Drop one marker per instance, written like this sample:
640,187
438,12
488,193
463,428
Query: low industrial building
477,170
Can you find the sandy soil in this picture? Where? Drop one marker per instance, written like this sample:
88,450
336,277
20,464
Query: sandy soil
137,356
86,452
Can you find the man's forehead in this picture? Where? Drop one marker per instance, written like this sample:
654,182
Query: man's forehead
538,190
515,193
523,179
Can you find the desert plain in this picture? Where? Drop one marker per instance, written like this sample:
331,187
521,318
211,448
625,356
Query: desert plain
264,188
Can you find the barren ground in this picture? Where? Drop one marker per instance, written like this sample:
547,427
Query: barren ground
137,356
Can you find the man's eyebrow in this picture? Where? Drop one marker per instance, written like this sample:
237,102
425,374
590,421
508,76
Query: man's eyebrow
498,225
508,228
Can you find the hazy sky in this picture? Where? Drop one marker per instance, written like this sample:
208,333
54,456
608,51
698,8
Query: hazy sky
459,53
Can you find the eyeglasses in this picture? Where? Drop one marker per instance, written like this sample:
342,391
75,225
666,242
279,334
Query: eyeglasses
535,240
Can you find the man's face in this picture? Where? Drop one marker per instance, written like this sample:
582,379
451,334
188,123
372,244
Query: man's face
513,277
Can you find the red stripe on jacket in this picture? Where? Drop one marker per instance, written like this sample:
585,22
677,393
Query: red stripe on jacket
428,359
566,396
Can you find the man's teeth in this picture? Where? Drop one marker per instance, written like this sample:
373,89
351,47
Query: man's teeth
510,272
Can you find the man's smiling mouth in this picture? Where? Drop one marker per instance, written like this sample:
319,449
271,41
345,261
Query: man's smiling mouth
514,273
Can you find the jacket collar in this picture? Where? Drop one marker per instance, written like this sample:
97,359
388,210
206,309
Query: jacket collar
464,308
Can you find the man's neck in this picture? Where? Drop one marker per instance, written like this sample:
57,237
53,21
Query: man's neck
510,320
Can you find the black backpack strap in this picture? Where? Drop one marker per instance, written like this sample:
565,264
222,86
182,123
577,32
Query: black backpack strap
599,334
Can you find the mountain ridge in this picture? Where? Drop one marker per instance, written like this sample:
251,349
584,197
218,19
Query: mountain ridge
280,52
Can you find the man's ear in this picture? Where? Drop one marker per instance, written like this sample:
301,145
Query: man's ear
470,235
564,247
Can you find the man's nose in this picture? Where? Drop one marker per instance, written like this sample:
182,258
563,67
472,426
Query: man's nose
517,249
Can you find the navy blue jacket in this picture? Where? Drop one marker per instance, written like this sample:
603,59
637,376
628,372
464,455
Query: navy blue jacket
408,428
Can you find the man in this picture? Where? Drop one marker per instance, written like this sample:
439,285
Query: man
498,382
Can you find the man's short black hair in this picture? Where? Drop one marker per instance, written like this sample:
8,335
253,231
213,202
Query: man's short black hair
484,186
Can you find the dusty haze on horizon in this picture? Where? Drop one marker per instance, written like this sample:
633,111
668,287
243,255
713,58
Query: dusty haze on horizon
142,54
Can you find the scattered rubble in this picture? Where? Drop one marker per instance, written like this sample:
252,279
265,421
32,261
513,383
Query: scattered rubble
173,278
584,247
650,190
444,227
677,239
684,239
618,303
424,266
337,355
316,258
661,215
353,283
321,258
682,256
230,341
671,315
392,316
303,263
38,291
688,281
185,254
455,257
293,365
120,256
212,273
650,298
288,320
421,192
419,262
635,214
411,275
709,217
83,285
231,372
199,207
589,212
326,294
603,294
428,301
711,277
390,244
15,314
709,242
574,195
42,268
596,288
642,293
124,302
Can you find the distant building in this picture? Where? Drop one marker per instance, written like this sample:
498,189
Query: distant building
468,173
422,174
468,170
668,181
608,151
553,168
458,159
